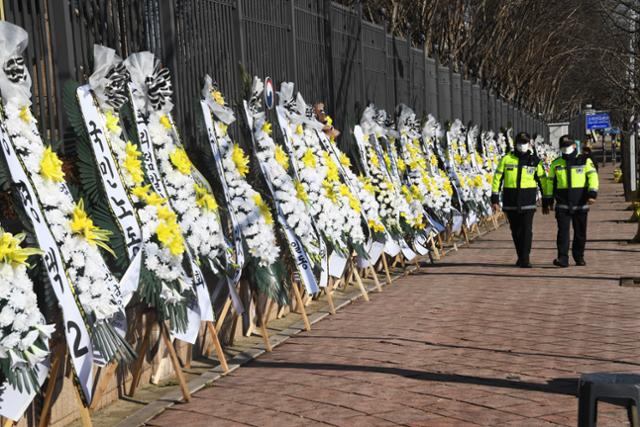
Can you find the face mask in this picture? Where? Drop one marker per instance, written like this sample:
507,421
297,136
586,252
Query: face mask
523,148
568,150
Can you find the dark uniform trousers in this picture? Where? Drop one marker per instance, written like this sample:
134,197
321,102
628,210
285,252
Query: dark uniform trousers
521,224
579,221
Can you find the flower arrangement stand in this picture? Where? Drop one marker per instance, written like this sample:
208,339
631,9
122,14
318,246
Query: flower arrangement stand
215,343
465,233
374,276
329,292
263,326
151,320
385,265
59,358
353,273
295,285
136,370
434,247
164,332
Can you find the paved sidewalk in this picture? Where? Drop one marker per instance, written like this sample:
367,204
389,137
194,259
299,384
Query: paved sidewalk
472,341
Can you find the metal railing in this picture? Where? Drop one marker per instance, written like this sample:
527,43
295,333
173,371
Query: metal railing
327,49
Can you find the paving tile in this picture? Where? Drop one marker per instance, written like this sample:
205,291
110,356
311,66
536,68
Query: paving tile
470,340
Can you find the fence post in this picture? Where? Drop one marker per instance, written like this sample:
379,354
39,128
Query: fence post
363,90
386,62
411,76
426,111
240,38
62,42
292,28
436,58
328,51
168,30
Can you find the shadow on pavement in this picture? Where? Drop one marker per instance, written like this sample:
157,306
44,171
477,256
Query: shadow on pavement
389,340
524,273
566,386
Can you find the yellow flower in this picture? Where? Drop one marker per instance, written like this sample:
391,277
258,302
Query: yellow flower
344,160
329,191
11,252
434,160
301,192
266,128
375,226
181,161
373,156
153,199
170,235
263,208
407,193
332,167
299,130
223,128
112,122
166,214
387,160
83,225
25,114
240,160
448,188
309,159
458,158
51,166
282,158
402,166
217,97
365,137
419,223
415,192
354,203
329,120
141,192
164,121
204,199
367,185
132,163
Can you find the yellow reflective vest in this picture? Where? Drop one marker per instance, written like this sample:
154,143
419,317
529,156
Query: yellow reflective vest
572,180
520,175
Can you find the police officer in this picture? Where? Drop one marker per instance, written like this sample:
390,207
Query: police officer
573,185
520,174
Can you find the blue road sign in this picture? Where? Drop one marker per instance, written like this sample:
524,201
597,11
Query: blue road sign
598,121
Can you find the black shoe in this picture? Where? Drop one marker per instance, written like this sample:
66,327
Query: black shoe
559,263
581,262
518,262
525,264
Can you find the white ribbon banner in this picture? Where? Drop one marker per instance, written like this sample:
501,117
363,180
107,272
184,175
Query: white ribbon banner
119,201
76,333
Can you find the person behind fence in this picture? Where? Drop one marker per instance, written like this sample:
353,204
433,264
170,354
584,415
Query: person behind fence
520,173
572,185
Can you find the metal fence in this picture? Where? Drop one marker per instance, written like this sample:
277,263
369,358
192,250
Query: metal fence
328,50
